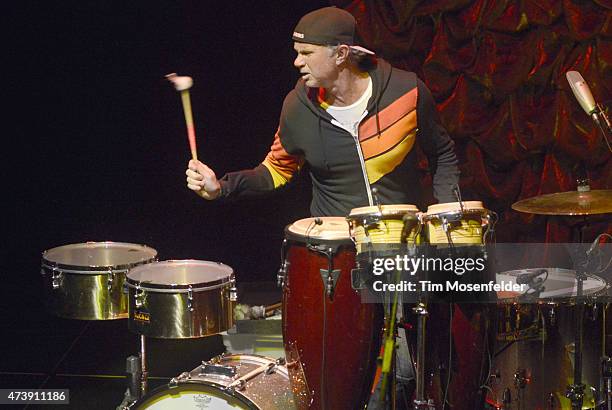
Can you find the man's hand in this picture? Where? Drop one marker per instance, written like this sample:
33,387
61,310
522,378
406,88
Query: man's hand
202,180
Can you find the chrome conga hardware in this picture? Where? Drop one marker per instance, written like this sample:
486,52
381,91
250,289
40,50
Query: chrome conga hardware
282,271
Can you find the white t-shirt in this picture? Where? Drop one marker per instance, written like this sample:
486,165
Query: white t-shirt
350,116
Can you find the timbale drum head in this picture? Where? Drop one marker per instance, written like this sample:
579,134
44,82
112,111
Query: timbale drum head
180,274
98,256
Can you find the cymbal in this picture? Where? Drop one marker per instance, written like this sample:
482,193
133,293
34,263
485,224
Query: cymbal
568,203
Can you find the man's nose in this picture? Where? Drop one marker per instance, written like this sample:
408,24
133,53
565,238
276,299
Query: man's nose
298,63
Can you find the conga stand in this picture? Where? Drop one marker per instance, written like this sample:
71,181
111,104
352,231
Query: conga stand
420,401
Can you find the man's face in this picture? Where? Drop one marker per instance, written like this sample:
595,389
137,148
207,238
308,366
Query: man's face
317,64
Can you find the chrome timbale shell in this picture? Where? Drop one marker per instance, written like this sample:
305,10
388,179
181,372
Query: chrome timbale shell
86,280
180,299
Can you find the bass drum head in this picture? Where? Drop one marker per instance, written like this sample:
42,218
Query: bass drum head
194,395
265,386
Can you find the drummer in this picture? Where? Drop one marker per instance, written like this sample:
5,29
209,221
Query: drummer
346,94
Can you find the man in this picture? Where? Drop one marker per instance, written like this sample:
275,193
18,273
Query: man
353,120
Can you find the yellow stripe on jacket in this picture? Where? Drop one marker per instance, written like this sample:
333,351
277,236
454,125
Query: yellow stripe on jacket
282,165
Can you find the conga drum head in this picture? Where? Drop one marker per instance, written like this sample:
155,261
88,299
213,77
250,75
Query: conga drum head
85,280
385,210
438,210
180,299
325,228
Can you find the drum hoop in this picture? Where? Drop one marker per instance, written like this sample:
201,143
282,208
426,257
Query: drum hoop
92,270
440,215
96,269
234,393
386,215
310,240
175,288
183,288
565,300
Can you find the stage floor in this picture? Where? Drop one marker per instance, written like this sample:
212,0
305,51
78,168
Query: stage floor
89,357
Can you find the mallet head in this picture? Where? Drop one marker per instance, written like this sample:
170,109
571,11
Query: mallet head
180,83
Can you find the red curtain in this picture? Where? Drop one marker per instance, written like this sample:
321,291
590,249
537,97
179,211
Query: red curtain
497,71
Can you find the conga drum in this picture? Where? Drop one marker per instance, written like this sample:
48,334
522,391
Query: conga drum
459,335
331,338
384,227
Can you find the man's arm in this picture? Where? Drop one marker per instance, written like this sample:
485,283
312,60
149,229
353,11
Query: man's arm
275,171
438,146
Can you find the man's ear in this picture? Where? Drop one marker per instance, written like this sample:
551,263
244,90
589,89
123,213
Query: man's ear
342,54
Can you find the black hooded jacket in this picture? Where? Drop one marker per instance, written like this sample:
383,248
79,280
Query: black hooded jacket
400,114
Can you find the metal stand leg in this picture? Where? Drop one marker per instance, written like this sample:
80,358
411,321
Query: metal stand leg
143,363
575,392
420,401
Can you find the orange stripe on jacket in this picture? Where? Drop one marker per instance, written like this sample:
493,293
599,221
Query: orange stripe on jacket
389,115
390,137
281,164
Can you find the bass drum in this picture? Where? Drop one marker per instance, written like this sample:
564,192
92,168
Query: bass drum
331,338
248,382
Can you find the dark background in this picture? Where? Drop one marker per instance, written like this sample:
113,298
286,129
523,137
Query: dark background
95,145
96,150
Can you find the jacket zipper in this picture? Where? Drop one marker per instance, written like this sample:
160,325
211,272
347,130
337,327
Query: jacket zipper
361,159
363,169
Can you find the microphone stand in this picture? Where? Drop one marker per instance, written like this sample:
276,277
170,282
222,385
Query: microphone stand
597,116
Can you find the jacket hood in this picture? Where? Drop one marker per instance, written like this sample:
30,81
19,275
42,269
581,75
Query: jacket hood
380,74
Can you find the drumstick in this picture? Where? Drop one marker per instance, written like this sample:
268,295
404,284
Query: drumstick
183,84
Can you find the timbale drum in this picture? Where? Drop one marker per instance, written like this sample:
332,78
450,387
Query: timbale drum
181,299
85,280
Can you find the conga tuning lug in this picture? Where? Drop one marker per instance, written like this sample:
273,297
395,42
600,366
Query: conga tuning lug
330,278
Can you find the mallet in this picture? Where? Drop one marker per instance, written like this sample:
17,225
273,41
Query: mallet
183,84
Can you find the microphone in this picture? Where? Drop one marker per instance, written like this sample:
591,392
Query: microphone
582,92
529,277
587,102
